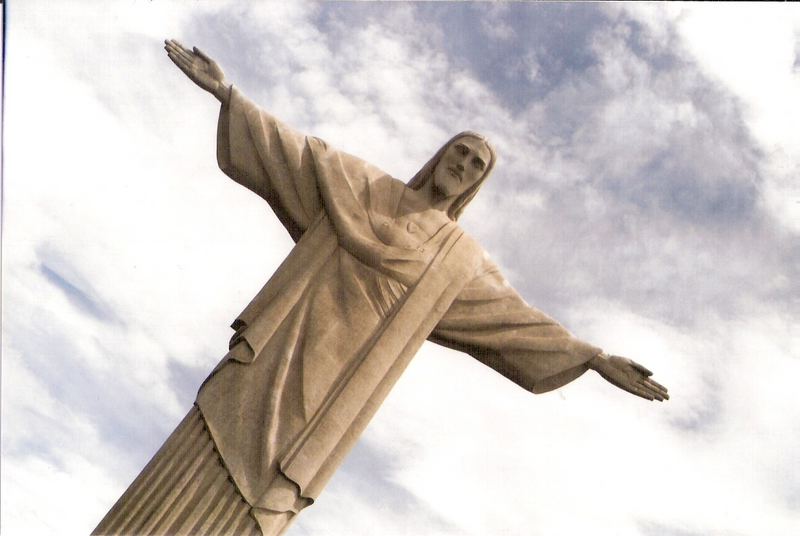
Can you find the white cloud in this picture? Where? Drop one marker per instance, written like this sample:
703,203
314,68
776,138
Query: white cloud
752,52
110,181
496,460
494,25
95,193
49,452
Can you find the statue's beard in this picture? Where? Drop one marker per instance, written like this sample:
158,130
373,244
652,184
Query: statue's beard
440,186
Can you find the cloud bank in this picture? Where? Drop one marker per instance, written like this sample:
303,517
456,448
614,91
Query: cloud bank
645,197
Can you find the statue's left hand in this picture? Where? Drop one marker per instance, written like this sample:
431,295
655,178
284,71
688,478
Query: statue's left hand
200,69
629,376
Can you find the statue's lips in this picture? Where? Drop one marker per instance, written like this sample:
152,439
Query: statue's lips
454,173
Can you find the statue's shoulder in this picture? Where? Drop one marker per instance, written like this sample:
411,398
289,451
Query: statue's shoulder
467,253
363,179
483,263
352,164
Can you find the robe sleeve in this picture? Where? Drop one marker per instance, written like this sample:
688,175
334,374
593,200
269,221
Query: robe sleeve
492,323
269,158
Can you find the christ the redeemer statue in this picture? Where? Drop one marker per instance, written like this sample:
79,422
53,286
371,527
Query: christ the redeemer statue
379,266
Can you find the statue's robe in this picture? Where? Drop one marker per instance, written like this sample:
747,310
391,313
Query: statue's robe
324,341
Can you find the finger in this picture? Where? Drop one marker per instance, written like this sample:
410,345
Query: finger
185,54
628,386
173,45
175,59
638,391
177,50
656,387
178,44
642,393
652,381
655,392
202,54
182,51
180,62
660,392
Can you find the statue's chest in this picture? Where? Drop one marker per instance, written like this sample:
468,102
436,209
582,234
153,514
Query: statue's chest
404,232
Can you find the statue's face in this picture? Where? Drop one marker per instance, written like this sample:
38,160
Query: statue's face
462,165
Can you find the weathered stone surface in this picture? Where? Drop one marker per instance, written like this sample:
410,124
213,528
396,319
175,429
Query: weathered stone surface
379,267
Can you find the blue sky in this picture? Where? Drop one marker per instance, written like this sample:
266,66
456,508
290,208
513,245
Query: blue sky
645,196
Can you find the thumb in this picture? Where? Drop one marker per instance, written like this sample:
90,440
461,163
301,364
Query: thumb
641,368
202,54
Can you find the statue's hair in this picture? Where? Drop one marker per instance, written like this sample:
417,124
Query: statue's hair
426,173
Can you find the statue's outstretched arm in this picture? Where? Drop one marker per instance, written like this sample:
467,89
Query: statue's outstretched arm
200,69
491,322
253,147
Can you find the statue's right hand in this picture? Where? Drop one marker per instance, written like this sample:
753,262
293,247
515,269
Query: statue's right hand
200,69
629,376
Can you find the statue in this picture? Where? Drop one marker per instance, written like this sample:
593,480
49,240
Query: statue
379,266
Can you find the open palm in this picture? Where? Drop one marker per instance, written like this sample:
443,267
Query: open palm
195,64
629,376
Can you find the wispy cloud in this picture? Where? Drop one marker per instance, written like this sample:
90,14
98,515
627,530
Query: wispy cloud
641,198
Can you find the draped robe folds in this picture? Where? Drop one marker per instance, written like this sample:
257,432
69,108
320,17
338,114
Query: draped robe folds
327,337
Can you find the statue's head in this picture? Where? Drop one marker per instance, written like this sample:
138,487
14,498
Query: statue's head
458,168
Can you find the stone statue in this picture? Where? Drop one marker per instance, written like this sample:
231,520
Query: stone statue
379,267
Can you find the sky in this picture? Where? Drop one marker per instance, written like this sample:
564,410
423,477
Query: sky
645,195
